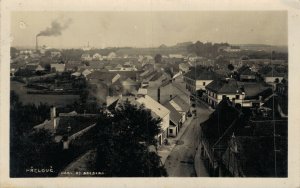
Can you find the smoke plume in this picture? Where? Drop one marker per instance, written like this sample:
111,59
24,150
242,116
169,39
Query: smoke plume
57,26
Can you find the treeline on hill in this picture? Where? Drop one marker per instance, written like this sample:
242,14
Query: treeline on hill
205,49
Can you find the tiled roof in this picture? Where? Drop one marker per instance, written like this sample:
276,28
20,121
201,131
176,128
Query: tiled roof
175,116
180,102
201,74
77,123
258,161
222,86
102,76
224,117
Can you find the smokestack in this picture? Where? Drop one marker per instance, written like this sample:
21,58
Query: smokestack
158,95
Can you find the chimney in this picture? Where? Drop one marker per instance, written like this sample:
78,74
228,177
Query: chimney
158,95
53,112
53,117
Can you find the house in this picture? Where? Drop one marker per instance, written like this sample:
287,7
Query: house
111,55
34,67
184,67
86,57
220,88
157,111
97,56
105,77
251,151
246,74
175,120
70,124
216,132
55,54
198,78
73,65
273,76
255,93
241,159
142,92
57,67
181,106
231,49
95,65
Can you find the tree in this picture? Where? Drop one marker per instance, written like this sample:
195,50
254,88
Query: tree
48,67
230,67
124,140
158,58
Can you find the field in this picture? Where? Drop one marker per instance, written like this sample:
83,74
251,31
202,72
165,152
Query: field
25,98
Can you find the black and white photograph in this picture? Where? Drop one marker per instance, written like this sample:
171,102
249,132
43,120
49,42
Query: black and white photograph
149,94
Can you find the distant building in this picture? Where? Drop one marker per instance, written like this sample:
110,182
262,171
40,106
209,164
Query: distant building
34,67
86,57
55,54
70,125
175,55
198,78
95,66
97,56
246,74
231,49
272,76
111,55
73,65
57,67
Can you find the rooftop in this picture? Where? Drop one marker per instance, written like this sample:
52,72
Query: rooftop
201,74
156,108
224,86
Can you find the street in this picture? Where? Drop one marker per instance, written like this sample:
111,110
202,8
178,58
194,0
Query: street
180,162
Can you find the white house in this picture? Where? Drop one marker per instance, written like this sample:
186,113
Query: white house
220,88
272,76
86,57
57,67
157,111
198,79
111,55
97,56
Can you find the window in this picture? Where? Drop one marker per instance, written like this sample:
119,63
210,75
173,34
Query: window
171,131
203,83
237,96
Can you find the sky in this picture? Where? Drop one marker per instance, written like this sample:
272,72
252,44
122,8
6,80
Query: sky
147,29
